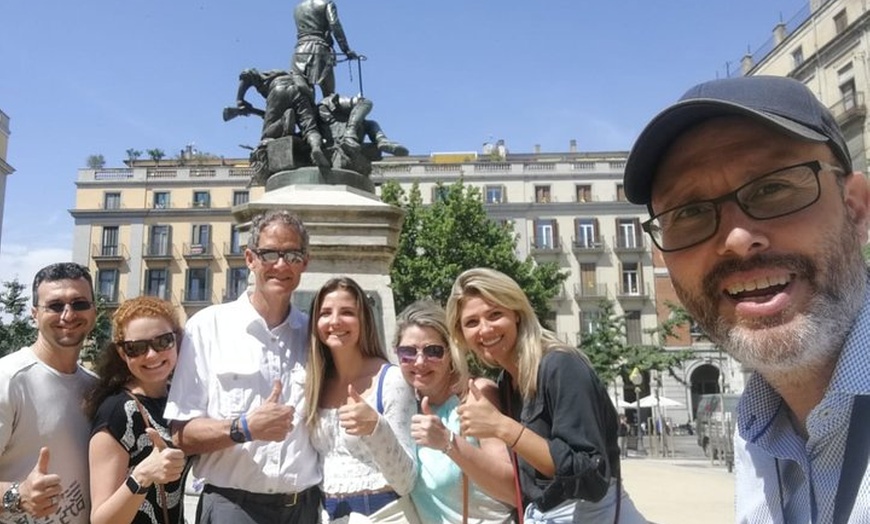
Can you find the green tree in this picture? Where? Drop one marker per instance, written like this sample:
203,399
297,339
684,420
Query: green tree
95,162
133,155
156,155
101,334
611,355
16,325
441,240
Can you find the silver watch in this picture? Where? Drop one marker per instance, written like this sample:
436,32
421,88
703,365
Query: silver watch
12,499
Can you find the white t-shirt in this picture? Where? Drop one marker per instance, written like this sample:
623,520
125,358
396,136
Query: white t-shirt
227,364
40,406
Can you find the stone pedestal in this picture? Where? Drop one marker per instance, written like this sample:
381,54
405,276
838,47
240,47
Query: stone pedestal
352,233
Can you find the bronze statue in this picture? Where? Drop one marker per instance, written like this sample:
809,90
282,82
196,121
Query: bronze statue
314,58
344,127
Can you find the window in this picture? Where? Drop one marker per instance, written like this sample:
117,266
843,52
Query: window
112,201
627,233
237,247
110,242
840,21
797,57
633,331
440,193
237,282
587,233
847,91
588,280
161,200
197,285
201,199
157,283
201,237
620,193
584,193
159,243
494,194
107,284
546,234
542,194
589,321
630,279
240,197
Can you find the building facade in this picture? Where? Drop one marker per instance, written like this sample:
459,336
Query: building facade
5,168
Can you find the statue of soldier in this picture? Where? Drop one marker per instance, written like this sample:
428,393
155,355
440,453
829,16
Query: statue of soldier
314,58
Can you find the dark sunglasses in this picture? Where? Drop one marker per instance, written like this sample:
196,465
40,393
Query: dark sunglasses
431,353
75,305
137,348
271,256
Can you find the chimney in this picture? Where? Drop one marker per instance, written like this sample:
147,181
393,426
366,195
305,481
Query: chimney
537,149
779,34
572,145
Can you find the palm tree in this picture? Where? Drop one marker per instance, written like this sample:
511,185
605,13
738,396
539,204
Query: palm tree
156,155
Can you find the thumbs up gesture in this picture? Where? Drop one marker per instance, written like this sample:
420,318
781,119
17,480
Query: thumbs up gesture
41,491
478,416
164,464
427,428
272,420
356,416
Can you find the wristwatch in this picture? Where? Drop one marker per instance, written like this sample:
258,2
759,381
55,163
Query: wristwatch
236,433
134,486
451,443
12,499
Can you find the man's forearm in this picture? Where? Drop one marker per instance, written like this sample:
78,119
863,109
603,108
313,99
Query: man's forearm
201,435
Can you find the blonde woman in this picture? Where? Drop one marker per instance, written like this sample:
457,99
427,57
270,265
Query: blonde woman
359,406
557,419
439,375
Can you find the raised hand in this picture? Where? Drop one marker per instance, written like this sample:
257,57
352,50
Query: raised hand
427,428
478,417
162,465
41,491
272,420
356,416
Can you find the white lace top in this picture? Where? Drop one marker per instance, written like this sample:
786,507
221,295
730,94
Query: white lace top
387,457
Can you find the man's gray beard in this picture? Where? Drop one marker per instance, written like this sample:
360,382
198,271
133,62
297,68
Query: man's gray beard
812,338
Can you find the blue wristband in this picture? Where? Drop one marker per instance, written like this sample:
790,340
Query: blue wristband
244,420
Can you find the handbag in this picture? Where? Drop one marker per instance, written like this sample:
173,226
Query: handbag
161,491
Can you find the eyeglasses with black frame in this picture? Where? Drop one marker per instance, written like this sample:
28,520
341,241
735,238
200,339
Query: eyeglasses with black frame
409,354
137,348
271,256
60,307
772,195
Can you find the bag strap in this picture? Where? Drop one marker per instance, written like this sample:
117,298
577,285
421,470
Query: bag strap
518,492
161,491
464,498
380,395
854,459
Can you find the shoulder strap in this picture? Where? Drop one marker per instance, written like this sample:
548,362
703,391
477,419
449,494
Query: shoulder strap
380,394
161,492
854,459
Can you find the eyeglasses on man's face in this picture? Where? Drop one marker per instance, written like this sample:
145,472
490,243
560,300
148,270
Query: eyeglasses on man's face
60,307
773,195
137,348
430,353
271,256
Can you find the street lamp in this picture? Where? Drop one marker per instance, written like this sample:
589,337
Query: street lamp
636,378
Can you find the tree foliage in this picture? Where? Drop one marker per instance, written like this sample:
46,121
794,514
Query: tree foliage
101,334
16,325
612,356
95,162
453,234
156,155
133,155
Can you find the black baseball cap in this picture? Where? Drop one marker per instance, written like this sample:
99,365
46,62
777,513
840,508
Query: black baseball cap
782,103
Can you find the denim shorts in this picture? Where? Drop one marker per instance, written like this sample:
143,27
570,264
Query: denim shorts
365,504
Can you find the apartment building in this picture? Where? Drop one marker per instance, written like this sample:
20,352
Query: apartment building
5,168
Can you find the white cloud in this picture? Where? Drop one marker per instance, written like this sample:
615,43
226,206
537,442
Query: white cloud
22,262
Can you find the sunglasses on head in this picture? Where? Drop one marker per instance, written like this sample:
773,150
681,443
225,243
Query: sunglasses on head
75,305
409,354
137,348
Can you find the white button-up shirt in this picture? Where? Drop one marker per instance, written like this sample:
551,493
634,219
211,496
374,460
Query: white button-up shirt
227,364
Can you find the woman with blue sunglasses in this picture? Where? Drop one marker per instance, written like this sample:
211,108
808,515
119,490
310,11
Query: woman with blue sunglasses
458,477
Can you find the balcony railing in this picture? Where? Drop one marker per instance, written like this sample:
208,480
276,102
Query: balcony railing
233,251
591,291
157,250
108,252
635,291
849,107
595,245
541,247
111,299
629,244
198,250
159,293
195,297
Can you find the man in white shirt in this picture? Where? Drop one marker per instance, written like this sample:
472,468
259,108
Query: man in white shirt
44,432
237,396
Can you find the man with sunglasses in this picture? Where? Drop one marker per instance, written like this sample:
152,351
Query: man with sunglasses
760,221
237,398
43,430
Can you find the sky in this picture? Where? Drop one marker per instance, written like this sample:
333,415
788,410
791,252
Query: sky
104,76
